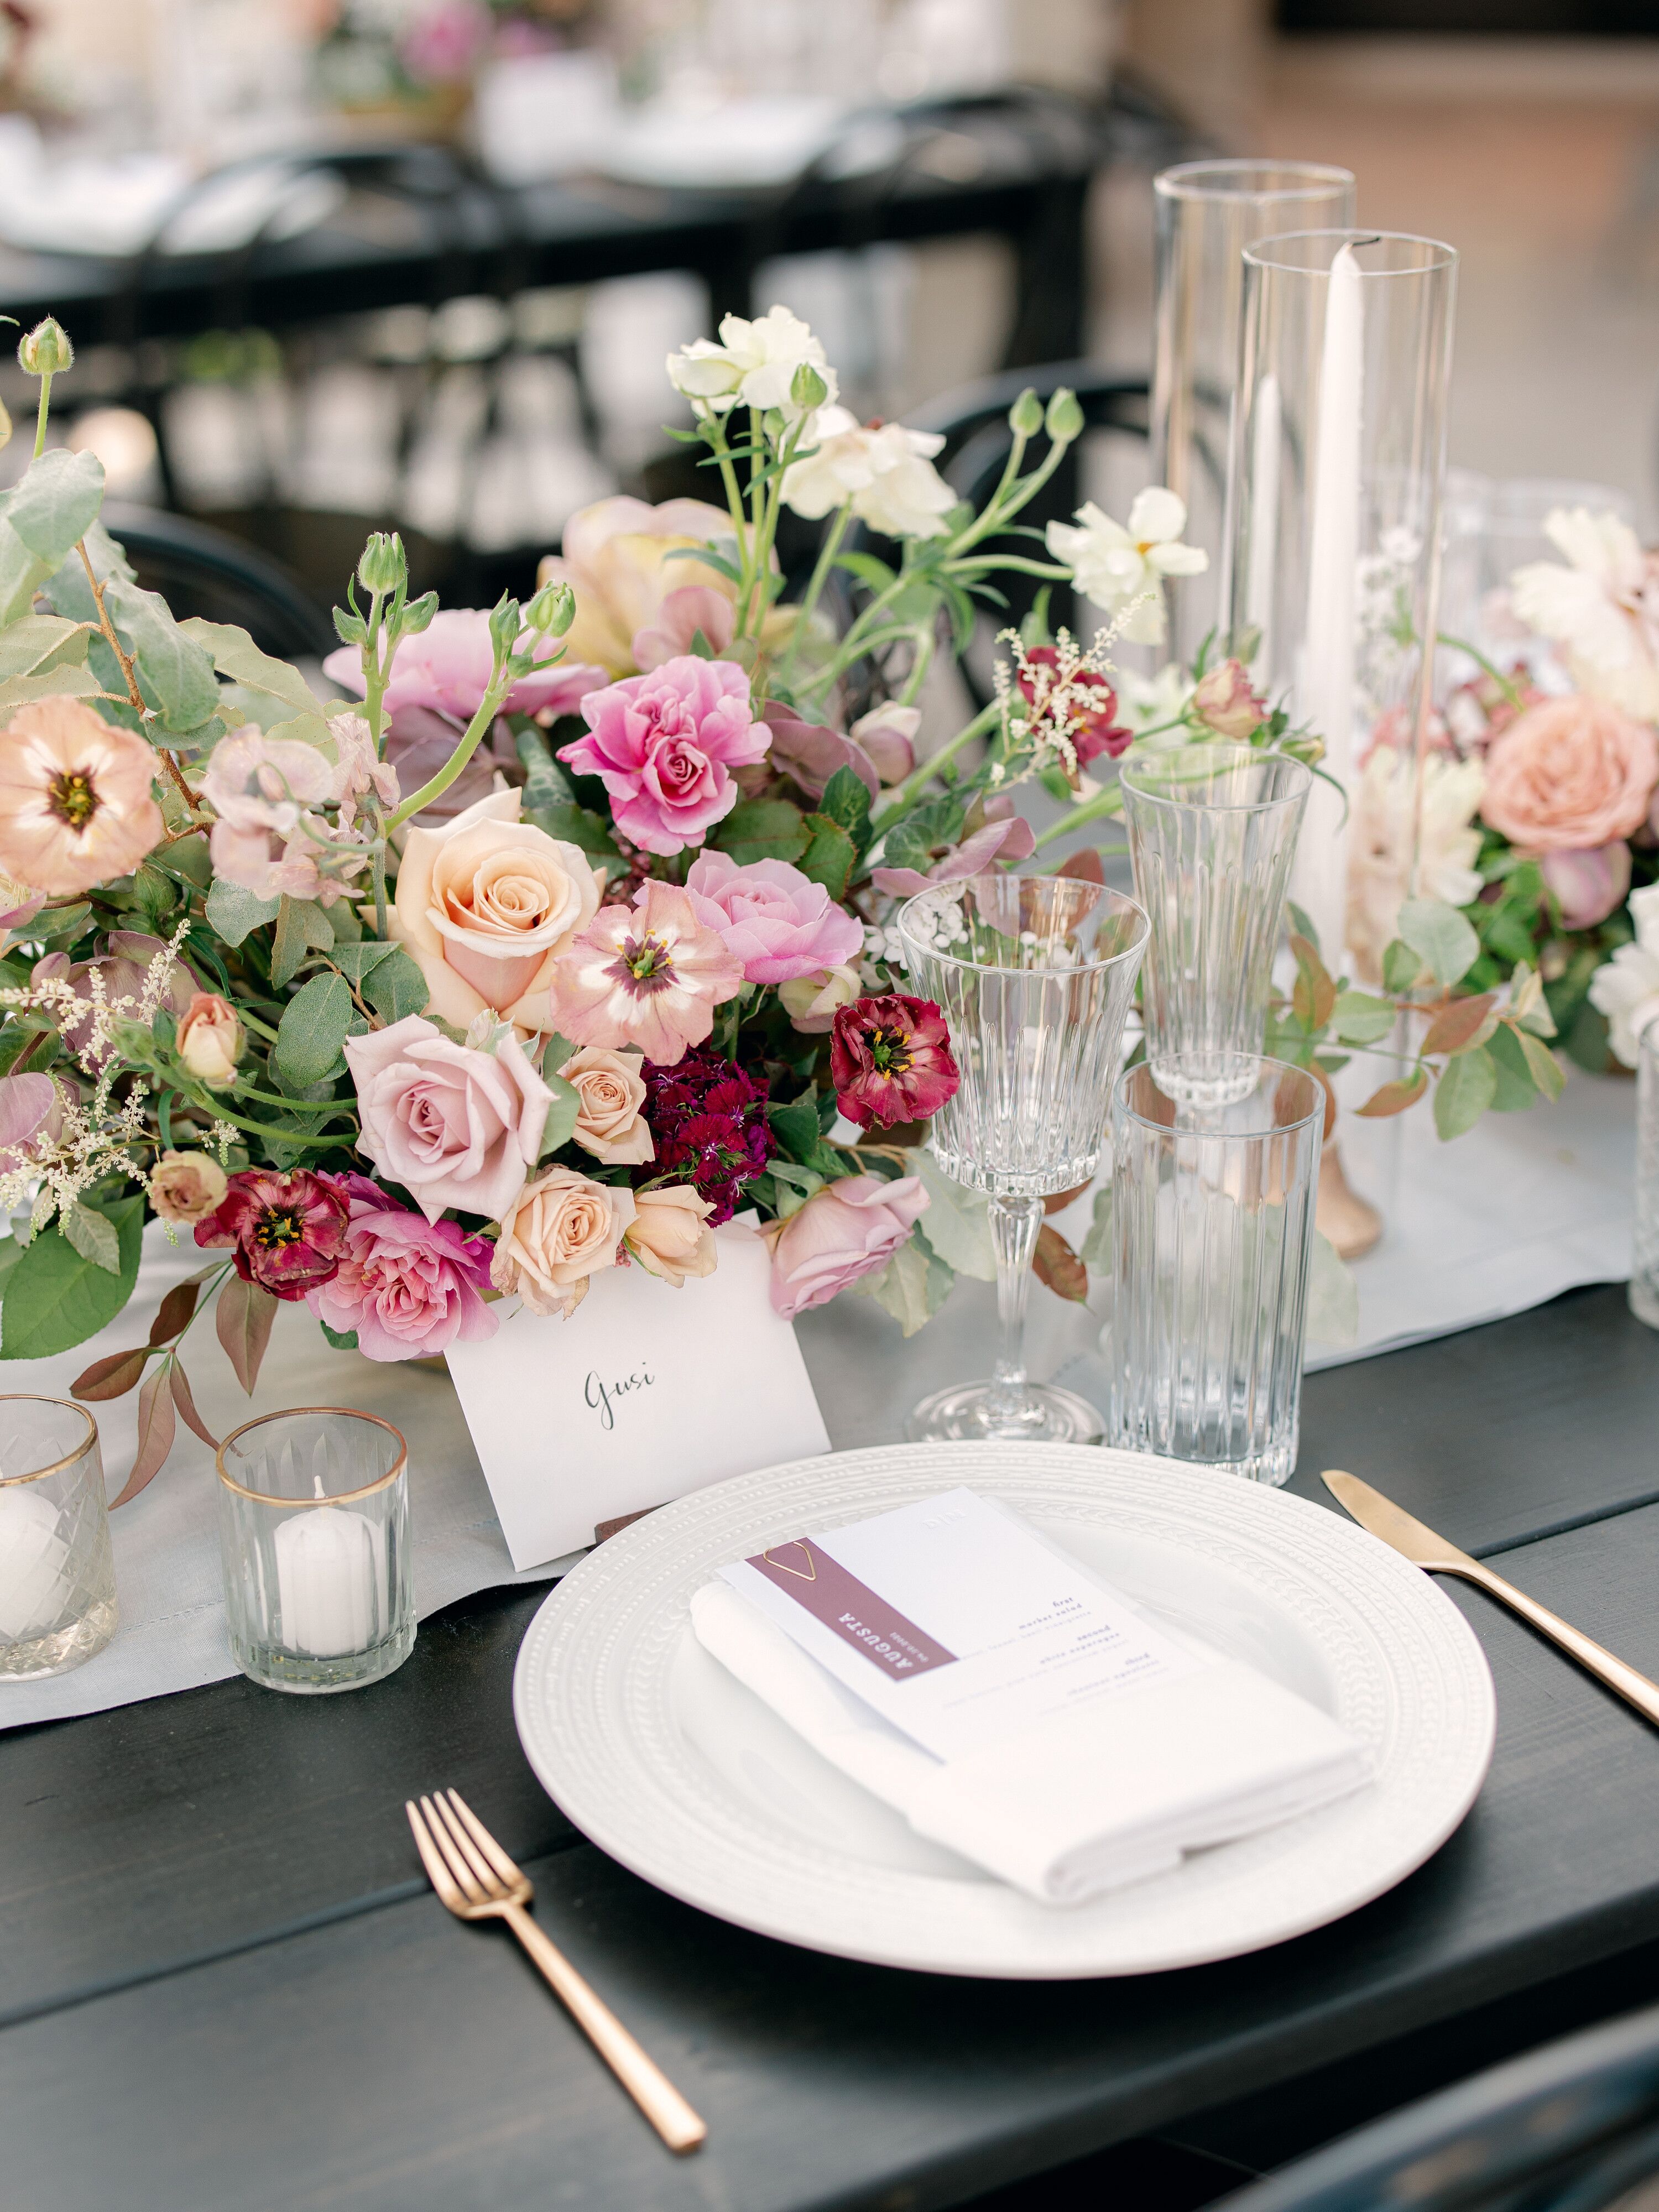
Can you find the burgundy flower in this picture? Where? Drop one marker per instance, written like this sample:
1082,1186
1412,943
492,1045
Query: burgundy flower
889,1060
1093,730
287,1232
708,1119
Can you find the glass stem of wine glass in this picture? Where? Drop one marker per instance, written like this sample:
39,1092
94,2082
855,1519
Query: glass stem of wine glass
1015,1223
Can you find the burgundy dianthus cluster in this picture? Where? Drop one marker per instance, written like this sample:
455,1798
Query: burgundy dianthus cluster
708,1120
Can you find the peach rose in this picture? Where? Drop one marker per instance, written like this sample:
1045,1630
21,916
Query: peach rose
667,1236
1569,775
209,1039
187,1187
558,1231
610,1094
485,904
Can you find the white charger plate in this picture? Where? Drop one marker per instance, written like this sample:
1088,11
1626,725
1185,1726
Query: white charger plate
671,1766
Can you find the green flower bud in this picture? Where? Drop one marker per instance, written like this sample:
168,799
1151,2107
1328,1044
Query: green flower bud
1025,415
383,566
807,388
1063,421
553,609
504,626
45,350
417,615
350,629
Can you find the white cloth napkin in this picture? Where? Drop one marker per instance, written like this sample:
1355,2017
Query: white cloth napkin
1088,1799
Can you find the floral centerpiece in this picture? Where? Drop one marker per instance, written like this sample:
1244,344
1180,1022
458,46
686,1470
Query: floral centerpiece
563,938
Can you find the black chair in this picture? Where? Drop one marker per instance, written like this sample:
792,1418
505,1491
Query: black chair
1571,2128
201,571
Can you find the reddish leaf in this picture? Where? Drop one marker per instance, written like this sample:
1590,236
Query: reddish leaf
1084,867
1315,995
177,1307
157,1430
111,1377
1394,1098
1058,1265
1058,1200
186,1405
1461,1024
243,1318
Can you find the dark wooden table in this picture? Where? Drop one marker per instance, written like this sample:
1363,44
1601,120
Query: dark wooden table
223,1987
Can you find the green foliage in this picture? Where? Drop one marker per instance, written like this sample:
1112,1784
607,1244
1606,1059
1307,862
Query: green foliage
237,658
847,801
913,1286
55,1298
959,1222
174,673
93,1235
761,829
1514,1090
315,1024
561,1116
1467,1087
301,927
1358,1019
830,856
1440,936
235,913
1401,968
390,983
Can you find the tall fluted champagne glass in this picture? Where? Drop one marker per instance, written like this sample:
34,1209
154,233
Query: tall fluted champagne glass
1035,976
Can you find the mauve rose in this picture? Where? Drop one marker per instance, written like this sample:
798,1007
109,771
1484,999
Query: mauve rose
1588,885
187,1187
777,921
848,1230
1570,776
664,744
455,1127
447,666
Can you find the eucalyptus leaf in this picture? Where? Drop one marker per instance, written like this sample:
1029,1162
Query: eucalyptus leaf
174,673
1333,1296
561,1116
234,913
235,655
1358,1019
55,1298
957,1222
315,1024
301,927
56,502
1465,1089
1096,1249
1441,937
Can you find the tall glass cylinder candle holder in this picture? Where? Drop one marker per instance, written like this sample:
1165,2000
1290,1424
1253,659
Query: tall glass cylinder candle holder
1212,833
57,1569
313,1533
1644,1265
1213,1223
1338,470
1208,212
1035,976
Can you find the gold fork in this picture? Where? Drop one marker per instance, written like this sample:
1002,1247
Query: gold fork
476,1878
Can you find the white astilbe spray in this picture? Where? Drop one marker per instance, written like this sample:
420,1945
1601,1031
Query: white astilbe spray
95,1134
1044,703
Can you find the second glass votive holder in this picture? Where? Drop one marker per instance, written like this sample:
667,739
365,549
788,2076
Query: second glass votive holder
56,1568
1212,831
313,1531
1644,1261
1213,1223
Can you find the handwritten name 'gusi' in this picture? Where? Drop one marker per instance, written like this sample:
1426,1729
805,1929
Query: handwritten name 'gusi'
601,1396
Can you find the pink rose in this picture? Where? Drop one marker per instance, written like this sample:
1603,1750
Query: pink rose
848,1228
446,667
1588,886
1570,776
409,1287
1224,702
779,922
455,1127
664,746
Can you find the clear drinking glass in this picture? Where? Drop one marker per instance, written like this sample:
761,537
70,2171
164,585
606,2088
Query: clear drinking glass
1212,831
1213,1219
1645,1268
313,1531
57,1570
1033,976
1333,506
1207,213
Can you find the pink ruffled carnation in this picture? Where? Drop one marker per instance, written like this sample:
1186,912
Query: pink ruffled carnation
408,1287
778,922
663,745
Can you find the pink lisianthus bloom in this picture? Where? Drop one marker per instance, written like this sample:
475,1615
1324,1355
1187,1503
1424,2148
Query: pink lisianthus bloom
454,1125
664,744
846,1231
445,668
650,974
777,921
408,1287
1588,886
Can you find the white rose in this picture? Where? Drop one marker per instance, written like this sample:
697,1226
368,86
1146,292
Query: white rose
886,471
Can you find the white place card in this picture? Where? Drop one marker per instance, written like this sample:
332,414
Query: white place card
644,1393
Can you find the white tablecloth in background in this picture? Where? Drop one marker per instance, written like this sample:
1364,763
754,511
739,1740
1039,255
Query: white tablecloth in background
1522,1207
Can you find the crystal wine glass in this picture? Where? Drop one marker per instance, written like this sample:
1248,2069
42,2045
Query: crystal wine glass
1033,976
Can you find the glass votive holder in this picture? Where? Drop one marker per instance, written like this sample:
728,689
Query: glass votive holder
313,1531
1644,1261
57,1569
1213,1224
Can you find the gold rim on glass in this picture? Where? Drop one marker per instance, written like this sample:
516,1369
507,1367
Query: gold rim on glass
39,1475
300,1413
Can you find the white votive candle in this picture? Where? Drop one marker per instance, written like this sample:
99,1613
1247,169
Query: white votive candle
331,1569
35,1576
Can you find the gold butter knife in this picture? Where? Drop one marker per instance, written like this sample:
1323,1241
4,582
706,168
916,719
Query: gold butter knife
1425,1549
